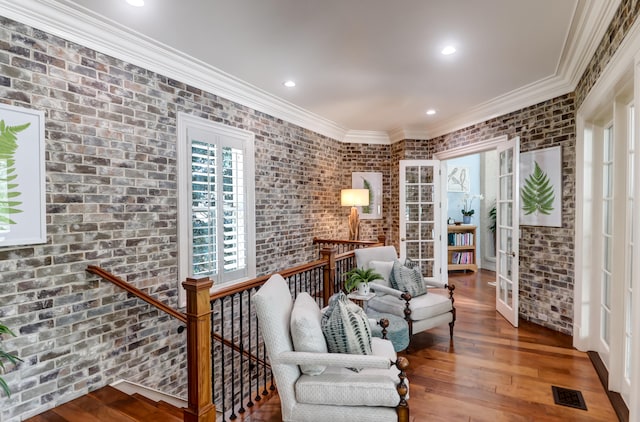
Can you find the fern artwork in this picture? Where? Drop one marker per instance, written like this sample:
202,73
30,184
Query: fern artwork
372,181
537,193
541,188
9,193
22,176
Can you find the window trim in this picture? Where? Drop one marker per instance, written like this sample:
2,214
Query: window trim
245,141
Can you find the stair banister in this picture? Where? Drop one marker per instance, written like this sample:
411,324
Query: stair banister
200,406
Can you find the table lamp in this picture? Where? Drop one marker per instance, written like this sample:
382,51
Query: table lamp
354,198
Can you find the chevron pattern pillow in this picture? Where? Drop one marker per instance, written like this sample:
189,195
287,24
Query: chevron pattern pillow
346,327
408,280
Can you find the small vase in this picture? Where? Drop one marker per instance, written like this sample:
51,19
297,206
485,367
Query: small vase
466,219
363,289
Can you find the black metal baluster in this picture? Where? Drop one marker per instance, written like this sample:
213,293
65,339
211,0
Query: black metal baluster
257,398
251,363
241,319
222,360
213,348
233,360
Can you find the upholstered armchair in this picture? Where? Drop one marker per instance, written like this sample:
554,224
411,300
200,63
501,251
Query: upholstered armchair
317,386
422,312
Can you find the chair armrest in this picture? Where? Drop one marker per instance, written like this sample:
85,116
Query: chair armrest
435,283
386,290
342,360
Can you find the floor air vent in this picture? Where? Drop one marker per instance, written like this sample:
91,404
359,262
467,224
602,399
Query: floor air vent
567,397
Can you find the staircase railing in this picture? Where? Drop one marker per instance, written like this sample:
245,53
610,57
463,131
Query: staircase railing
226,358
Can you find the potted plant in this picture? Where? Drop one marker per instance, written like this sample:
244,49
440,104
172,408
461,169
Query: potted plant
6,356
467,210
359,278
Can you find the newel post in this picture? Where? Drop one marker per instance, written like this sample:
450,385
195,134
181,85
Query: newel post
329,276
201,408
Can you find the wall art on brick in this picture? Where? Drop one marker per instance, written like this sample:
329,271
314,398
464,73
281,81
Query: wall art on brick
541,187
373,182
22,177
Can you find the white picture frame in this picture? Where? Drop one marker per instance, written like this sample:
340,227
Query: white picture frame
373,182
541,190
22,177
458,179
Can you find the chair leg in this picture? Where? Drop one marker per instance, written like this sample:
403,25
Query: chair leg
402,410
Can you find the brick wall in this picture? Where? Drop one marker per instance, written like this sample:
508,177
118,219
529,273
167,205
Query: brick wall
111,201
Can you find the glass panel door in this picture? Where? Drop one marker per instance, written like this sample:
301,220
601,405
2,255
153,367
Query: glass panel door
607,241
420,214
507,235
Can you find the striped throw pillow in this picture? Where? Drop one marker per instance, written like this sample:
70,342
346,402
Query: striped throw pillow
407,280
346,327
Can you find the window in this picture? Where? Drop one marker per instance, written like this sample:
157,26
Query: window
216,227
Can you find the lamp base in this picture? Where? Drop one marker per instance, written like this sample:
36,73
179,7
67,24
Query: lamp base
354,224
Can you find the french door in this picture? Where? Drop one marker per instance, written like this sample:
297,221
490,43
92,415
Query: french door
507,231
420,214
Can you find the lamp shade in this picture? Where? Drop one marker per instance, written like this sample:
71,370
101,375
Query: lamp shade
354,197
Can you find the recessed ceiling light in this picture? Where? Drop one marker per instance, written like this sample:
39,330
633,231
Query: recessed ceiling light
136,3
448,50
289,84
431,112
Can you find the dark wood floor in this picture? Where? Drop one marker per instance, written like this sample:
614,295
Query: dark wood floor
492,371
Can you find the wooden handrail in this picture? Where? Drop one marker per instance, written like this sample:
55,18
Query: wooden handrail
259,281
381,239
136,292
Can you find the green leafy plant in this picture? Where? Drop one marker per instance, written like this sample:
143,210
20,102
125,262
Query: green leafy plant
359,275
537,193
6,356
367,208
493,213
8,147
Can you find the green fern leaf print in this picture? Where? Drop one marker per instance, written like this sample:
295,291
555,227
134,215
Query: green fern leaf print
537,193
367,185
8,146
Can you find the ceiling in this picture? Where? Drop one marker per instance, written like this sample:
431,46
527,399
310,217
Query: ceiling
364,68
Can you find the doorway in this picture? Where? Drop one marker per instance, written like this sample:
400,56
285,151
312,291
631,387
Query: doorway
507,227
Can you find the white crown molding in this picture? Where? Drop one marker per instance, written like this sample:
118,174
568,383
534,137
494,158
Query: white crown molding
367,137
590,23
591,19
108,37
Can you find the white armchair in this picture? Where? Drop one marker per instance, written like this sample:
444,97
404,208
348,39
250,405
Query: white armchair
376,393
421,312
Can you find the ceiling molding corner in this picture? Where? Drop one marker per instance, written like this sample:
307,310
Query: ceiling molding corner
366,137
590,23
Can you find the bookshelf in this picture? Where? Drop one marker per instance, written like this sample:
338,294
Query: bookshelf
461,247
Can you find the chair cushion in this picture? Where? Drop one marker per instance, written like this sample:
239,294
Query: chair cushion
422,307
346,327
341,387
383,268
407,279
306,330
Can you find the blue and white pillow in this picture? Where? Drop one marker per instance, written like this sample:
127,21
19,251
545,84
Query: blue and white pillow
407,279
346,327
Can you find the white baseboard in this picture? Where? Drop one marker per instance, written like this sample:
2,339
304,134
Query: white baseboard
155,395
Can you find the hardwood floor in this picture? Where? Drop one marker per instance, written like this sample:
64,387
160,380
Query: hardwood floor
491,371
110,405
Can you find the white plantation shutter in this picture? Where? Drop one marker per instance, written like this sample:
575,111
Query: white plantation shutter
216,215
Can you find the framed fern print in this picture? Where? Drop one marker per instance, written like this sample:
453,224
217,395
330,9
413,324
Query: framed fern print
373,182
22,176
541,187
